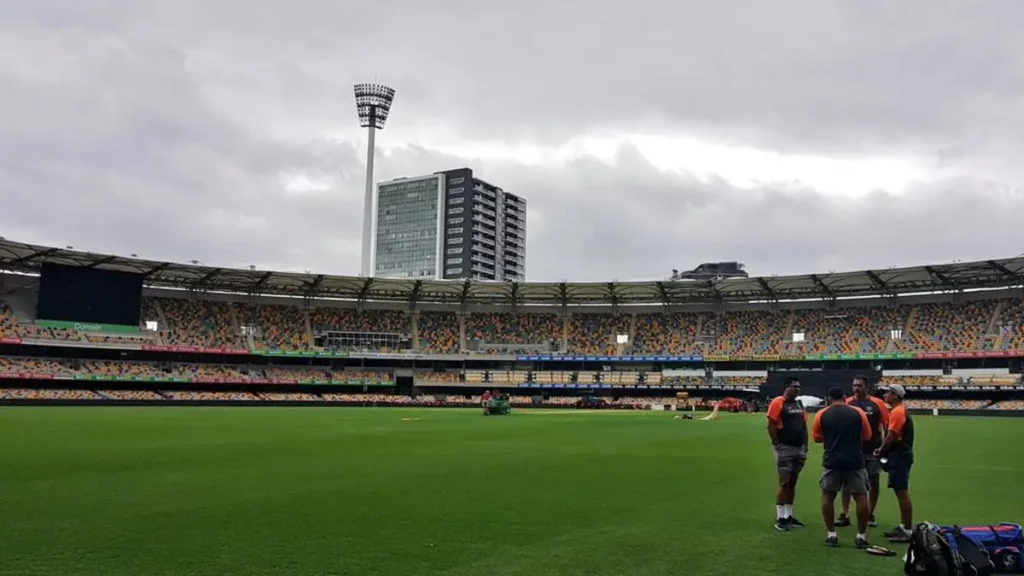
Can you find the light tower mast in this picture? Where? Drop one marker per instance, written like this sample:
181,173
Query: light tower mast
373,103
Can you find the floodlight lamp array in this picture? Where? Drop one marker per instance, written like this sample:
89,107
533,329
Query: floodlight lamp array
373,103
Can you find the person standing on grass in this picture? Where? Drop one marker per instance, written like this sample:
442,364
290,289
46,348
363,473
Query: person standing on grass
843,430
898,448
878,416
787,428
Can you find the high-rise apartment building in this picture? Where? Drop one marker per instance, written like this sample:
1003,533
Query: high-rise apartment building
449,225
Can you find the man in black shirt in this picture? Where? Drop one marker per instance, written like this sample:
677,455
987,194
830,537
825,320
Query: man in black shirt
898,450
843,429
787,428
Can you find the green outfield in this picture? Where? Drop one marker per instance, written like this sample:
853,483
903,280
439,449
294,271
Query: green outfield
321,491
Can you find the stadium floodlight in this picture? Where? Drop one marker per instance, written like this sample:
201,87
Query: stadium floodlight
373,103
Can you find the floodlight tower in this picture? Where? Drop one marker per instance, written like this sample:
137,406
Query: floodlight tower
373,102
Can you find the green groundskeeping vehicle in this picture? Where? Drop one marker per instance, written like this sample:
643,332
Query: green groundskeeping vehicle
498,406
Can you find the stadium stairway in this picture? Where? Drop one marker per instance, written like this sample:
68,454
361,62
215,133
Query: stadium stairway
235,326
991,338
565,335
462,332
890,344
308,325
415,323
787,344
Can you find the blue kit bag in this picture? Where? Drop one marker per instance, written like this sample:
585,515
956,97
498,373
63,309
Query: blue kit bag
1003,544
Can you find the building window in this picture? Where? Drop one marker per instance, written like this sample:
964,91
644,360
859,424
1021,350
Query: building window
453,221
457,180
458,200
455,211
456,190
454,251
455,260
455,240
455,230
453,271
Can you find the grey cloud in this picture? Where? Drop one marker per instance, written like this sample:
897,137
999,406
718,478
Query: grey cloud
167,131
806,75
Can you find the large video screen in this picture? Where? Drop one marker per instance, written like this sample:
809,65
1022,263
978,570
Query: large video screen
76,294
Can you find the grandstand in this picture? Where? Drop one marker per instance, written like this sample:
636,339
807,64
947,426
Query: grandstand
216,326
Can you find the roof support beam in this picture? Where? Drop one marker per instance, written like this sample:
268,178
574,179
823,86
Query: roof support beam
942,278
665,298
715,294
822,286
613,294
414,294
314,286
464,294
101,261
364,290
563,294
877,281
767,288
206,279
156,270
261,282
1002,269
30,257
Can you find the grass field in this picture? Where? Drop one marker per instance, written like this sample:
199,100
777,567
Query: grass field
310,491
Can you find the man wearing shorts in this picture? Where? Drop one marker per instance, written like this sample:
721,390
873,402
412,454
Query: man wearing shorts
787,428
898,449
878,416
843,429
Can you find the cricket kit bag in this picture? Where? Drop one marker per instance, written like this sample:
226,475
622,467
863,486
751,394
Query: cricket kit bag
930,554
1003,544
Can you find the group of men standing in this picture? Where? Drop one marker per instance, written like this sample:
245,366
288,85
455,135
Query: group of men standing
861,435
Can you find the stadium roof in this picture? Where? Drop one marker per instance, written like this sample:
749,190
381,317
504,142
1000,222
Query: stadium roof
1009,272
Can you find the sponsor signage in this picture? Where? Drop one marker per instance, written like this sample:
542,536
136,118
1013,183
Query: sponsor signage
198,380
302,353
779,358
88,327
193,349
10,340
964,355
609,358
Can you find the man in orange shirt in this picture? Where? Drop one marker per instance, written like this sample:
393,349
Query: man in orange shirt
787,428
878,415
843,429
898,449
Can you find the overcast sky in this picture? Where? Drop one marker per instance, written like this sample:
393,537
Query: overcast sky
793,136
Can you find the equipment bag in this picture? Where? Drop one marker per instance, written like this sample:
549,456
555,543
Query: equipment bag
976,559
1004,544
930,554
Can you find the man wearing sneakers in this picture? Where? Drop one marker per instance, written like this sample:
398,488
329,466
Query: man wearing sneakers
787,428
898,449
843,429
878,416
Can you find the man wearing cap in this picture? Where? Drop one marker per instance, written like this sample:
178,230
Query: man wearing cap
878,416
898,449
843,430
787,428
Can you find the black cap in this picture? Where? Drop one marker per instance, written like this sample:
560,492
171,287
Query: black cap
791,380
836,393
